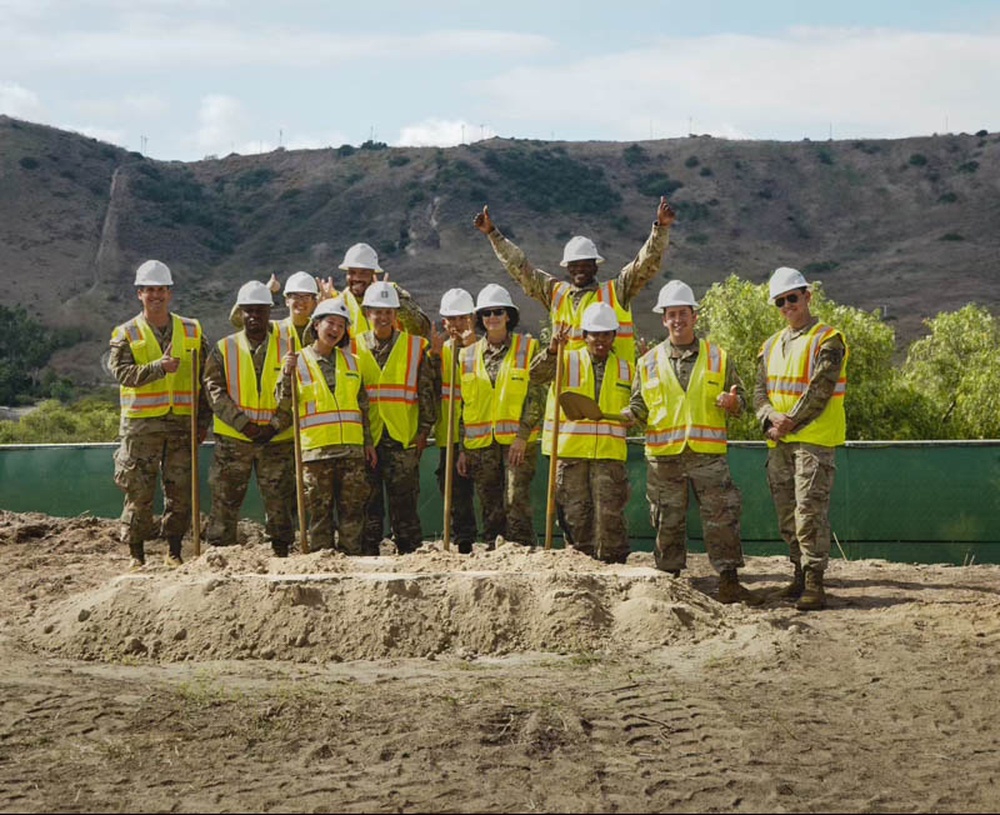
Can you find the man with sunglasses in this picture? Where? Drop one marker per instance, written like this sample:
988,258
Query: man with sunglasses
566,300
799,399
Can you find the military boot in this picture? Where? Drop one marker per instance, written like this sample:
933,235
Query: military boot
793,591
730,590
813,597
173,558
138,556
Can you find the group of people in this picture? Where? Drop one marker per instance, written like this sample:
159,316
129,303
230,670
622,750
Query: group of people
366,380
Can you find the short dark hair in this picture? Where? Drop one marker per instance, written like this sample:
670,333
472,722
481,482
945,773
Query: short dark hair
513,318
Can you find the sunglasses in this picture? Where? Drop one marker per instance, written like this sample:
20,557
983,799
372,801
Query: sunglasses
791,298
493,312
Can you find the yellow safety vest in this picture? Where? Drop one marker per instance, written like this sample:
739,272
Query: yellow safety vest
441,428
329,418
392,390
789,377
256,401
587,438
172,393
494,411
563,312
679,418
359,322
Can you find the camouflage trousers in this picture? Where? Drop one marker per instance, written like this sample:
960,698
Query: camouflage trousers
229,476
591,495
463,512
337,492
668,479
138,460
504,492
801,479
396,477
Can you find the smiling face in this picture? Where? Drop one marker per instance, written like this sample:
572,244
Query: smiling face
331,330
155,303
255,321
382,321
599,343
358,281
300,306
679,322
581,273
456,326
797,313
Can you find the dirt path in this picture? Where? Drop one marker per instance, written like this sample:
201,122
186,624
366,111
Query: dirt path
509,681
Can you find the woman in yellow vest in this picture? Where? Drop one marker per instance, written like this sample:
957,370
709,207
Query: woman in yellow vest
252,432
591,480
684,390
337,446
501,415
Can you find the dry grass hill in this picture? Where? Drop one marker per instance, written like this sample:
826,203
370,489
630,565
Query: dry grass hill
912,225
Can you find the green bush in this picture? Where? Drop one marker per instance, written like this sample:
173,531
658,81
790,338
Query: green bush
29,163
634,155
658,183
89,420
918,159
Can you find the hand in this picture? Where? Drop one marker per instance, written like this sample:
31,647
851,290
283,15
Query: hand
515,455
782,424
729,401
252,431
462,465
773,434
437,340
273,285
560,335
468,337
202,434
420,442
170,363
327,289
265,434
665,215
371,456
628,418
483,222
291,360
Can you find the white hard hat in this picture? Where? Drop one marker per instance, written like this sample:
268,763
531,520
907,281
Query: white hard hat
153,273
786,279
456,303
301,283
494,296
361,256
675,293
580,248
332,306
599,317
254,293
381,295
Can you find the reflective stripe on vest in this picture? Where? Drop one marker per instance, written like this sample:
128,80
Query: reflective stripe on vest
586,438
329,418
563,312
788,379
679,418
392,391
255,398
172,393
493,411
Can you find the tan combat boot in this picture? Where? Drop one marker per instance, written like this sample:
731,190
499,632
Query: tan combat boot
730,590
813,597
793,591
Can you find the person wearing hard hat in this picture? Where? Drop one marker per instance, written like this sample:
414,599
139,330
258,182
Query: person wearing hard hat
799,400
591,479
403,408
252,431
361,265
566,300
301,296
684,391
501,418
458,318
151,359
337,444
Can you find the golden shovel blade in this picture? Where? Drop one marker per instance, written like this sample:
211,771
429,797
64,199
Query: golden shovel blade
576,406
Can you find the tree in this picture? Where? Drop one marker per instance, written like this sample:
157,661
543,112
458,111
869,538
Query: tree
25,348
956,366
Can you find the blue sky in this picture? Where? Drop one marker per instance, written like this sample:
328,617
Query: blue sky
182,79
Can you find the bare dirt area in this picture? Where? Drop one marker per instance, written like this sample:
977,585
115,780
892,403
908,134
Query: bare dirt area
505,681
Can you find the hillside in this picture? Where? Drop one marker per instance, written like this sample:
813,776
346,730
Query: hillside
911,225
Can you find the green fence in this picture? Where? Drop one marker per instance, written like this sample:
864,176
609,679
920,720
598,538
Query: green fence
906,501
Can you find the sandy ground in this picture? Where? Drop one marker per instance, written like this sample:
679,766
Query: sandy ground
506,681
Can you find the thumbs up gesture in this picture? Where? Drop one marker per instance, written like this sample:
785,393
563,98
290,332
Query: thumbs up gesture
170,363
729,401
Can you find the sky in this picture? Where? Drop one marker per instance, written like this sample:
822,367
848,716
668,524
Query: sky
186,79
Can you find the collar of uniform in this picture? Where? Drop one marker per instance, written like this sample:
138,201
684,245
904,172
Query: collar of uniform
684,351
794,333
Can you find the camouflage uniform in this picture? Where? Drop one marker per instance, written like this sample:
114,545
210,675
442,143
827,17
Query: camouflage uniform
504,492
397,474
235,460
801,475
161,444
668,479
591,494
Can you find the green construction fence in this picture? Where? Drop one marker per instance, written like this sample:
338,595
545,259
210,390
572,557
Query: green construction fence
925,502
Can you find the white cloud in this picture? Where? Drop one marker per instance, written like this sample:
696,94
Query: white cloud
105,134
20,102
222,122
441,133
